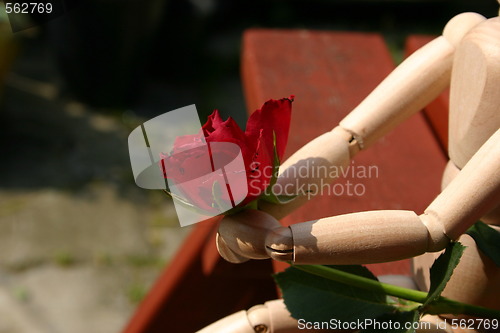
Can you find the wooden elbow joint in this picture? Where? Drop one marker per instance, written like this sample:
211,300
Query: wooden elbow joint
437,238
333,149
309,168
358,238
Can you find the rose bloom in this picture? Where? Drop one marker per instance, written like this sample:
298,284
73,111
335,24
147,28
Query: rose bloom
192,159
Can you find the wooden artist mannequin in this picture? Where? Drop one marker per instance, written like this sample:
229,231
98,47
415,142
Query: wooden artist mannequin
466,57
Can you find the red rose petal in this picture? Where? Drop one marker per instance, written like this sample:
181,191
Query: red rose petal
260,173
226,131
213,122
274,116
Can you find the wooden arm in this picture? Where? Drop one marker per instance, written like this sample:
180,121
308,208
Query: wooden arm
411,86
414,83
358,238
380,236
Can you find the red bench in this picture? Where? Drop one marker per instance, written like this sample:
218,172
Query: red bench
329,73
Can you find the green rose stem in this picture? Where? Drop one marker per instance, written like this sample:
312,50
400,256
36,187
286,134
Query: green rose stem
440,306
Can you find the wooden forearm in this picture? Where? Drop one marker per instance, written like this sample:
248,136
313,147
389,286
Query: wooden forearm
358,238
410,87
380,236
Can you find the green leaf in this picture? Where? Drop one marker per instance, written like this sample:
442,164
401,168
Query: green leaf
397,322
442,269
378,296
315,298
487,240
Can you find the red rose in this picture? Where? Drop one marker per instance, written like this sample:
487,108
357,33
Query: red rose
191,158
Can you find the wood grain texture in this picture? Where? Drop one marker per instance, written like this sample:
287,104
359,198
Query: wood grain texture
474,100
474,192
410,87
360,238
436,112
